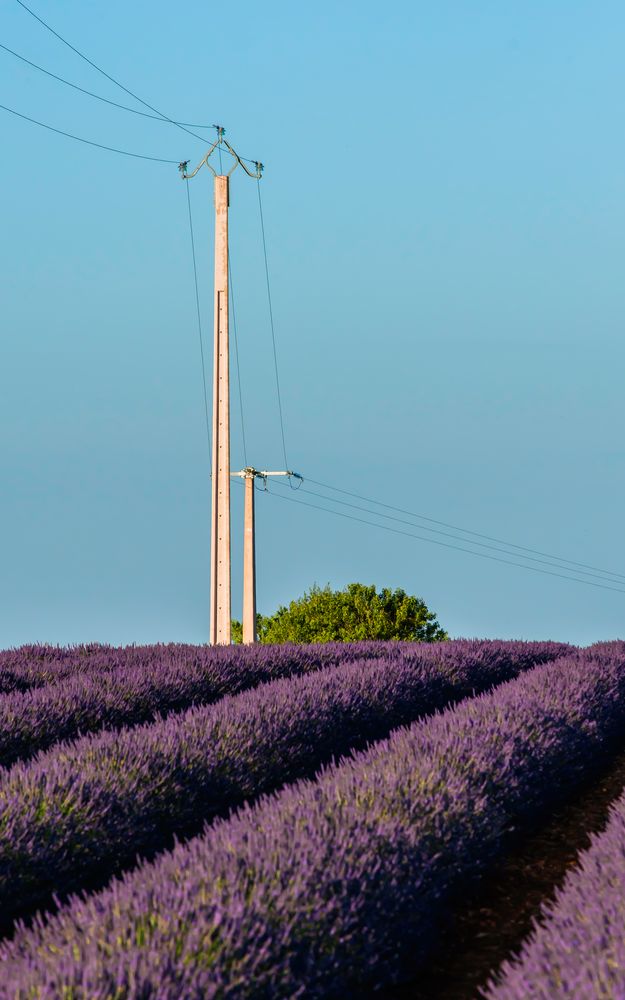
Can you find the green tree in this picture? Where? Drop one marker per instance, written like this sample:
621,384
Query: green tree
357,612
237,628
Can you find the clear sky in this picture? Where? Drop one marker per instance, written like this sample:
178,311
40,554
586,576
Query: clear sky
444,202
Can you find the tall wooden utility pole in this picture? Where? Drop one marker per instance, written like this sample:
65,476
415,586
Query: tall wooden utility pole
249,474
220,611
220,597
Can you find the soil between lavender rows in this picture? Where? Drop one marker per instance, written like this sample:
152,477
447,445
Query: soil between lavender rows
494,918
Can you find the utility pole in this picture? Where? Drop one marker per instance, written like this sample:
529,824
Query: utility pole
220,573
220,507
249,558
249,474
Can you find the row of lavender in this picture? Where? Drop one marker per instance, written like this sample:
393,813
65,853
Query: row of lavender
35,666
83,811
578,949
157,683
325,888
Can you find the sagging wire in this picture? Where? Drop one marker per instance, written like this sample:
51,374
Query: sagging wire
98,97
467,531
199,327
108,76
447,545
447,534
271,321
87,142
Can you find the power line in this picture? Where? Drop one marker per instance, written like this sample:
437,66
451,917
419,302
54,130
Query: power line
273,332
446,534
447,545
466,531
108,75
88,142
199,329
159,116
98,97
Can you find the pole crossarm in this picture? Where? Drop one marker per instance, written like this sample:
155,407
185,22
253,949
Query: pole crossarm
256,173
251,473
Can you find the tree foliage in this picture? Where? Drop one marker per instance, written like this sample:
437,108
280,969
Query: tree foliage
357,612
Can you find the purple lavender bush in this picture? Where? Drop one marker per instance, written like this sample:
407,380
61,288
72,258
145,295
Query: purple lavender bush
577,950
83,811
37,665
323,889
96,699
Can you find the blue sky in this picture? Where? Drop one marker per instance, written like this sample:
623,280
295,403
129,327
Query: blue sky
444,201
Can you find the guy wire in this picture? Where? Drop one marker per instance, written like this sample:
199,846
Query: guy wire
273,332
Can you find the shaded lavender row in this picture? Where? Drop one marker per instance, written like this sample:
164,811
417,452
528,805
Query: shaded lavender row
578,949
323,889
83,811
35,666
32,721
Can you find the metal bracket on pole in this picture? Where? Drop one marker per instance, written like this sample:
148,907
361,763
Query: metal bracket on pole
251,473
256,173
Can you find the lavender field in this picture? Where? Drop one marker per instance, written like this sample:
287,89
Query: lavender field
298,821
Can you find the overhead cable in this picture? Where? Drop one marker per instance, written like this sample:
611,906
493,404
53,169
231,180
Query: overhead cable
467,531
98,97
160,115
108,75
447,545
88,142
447,534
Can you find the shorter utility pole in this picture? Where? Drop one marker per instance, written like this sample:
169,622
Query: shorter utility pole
249,474
249,560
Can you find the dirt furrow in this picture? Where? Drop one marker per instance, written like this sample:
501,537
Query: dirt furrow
494,917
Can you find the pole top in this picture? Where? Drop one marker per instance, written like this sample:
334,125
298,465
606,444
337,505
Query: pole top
239,161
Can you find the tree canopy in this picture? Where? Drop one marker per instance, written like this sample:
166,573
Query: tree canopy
357,612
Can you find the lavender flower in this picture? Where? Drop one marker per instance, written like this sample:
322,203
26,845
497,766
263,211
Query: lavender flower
144,682
577,950
83,811
324,888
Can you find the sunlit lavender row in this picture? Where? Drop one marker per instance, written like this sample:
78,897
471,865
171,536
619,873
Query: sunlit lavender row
326,888
122,695
83,811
